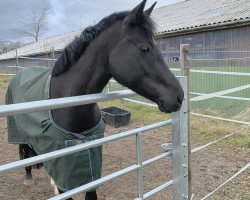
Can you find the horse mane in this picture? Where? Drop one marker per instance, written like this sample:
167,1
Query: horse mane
73,51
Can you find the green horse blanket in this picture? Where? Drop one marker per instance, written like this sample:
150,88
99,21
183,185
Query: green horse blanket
40,131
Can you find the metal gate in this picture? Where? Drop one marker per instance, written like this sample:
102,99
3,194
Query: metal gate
179,149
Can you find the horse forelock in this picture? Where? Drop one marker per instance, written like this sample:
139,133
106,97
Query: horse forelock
73,51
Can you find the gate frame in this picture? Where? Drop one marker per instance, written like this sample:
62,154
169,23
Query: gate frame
181,128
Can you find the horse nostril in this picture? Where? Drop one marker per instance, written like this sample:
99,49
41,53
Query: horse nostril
179,98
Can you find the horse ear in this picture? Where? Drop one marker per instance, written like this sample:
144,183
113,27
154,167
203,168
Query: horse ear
135,15
149,11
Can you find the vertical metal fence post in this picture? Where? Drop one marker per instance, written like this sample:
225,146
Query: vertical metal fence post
180,151
185,71
139,162
181,136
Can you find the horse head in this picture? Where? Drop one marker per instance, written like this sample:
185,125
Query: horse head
137,63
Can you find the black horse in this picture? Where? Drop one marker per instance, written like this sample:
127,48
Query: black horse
121,46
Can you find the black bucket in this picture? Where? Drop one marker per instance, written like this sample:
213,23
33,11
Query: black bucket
116,116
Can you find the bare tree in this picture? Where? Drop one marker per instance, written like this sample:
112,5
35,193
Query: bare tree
35,23
7,45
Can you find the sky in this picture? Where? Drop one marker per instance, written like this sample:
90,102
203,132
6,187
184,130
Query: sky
68,15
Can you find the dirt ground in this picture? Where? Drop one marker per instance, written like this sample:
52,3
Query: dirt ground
210,168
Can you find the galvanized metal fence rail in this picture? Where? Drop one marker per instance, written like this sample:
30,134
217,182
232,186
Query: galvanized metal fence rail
179,151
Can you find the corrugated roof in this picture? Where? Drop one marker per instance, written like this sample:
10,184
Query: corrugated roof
181,17
57,42
196,14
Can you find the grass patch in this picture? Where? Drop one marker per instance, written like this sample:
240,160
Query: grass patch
4,81
205,130
210,83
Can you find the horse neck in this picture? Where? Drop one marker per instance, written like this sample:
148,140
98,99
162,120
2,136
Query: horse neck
89,75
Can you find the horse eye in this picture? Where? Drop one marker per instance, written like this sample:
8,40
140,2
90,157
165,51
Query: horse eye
145,49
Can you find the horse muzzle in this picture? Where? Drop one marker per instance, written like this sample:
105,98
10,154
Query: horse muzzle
167,107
